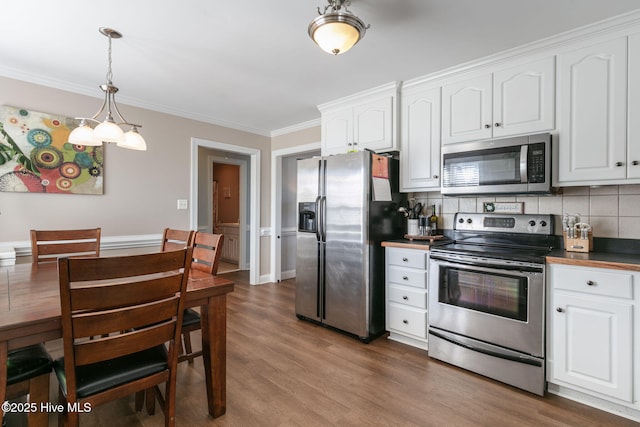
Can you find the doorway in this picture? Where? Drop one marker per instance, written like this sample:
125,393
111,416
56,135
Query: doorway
228,205
283,208
202,153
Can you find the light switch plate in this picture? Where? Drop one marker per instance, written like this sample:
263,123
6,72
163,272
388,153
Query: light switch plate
182,204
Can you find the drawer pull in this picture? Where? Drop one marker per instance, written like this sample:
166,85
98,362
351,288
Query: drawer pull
406,322
405,278
405,259
560,310
406,298
591,283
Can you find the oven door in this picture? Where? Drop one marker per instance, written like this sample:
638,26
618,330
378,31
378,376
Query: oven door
499,304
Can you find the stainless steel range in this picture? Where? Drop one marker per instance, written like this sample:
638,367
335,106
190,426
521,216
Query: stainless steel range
487,297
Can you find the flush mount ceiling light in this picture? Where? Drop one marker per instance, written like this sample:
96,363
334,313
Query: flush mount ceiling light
108,130
337,31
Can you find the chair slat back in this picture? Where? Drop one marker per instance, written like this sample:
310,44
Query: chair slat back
48,245
173,239
207,250
116,306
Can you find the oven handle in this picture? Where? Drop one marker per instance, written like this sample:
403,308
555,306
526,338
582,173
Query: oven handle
507,355
484,266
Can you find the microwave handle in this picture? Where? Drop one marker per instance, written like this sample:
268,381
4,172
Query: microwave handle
524,150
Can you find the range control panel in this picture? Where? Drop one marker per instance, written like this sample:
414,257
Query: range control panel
504,223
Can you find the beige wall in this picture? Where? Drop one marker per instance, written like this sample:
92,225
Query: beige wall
294,139
140,188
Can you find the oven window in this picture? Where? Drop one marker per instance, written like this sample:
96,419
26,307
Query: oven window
500,294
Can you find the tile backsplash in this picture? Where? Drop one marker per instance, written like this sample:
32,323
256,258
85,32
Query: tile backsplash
613,210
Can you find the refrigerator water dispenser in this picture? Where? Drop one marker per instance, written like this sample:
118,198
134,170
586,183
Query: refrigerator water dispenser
307,217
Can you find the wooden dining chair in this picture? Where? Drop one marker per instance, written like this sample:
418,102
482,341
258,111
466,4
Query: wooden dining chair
131,306
207,249
173,239
28,370
48,245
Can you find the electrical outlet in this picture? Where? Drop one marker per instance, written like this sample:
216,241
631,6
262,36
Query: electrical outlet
182,204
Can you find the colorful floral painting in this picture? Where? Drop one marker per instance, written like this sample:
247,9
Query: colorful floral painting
35,156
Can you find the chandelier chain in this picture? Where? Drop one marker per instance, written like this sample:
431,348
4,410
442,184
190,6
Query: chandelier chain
109,72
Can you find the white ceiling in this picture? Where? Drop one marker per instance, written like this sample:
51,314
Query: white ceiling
250,64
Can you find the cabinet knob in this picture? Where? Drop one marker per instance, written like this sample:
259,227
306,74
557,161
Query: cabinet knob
635,163
406,298
591,282
405,278
435,176
560,310
618,164
349,144
497,125
487,126
405,259
406,322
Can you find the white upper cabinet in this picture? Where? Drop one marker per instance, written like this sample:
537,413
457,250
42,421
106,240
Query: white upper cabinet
466,110
420,138
592,98
363,121
633,138
524,98
509,101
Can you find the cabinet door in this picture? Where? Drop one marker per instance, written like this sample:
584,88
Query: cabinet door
420,140
593,108
466,110
592,344
523,98
337,131
633,141
373,125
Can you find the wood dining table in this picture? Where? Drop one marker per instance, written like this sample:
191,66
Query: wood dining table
30,314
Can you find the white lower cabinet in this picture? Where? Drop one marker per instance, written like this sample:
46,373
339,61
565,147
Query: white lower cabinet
592,325
406,295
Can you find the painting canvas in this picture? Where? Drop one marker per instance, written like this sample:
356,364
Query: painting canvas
36,157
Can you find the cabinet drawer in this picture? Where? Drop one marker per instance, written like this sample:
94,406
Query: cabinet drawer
407,320
412,259
593,281
408,296
408,277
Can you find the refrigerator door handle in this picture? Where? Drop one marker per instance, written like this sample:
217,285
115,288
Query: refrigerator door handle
322,221
319,219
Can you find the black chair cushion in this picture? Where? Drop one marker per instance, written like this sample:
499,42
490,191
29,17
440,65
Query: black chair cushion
190,317
26,363
97,377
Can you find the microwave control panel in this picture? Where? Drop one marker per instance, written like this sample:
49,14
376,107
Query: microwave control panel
535,163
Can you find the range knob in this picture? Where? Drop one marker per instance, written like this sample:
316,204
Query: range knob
469,221
532,223
461,220
543,223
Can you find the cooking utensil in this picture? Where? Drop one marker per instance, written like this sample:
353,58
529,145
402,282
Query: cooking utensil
417,209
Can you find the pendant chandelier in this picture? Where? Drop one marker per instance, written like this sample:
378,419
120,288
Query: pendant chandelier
337,31
109,130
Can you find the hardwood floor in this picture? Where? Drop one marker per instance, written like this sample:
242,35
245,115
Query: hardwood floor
282,371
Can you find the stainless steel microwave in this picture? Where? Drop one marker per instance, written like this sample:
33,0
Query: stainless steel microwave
516,165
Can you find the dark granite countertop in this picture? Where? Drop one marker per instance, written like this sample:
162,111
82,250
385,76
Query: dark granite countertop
599,259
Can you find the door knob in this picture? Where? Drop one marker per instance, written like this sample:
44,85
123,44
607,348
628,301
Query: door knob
497,125
635,163
435,176
590,282
487,126
560,310
618,164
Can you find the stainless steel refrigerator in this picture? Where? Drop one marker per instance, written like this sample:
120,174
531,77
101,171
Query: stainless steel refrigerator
347,205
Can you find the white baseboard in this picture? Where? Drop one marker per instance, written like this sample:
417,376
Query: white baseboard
289,274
